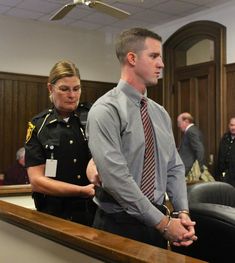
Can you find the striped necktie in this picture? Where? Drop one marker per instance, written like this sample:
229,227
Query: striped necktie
148,176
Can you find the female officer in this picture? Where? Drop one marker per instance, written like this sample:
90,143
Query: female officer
57,153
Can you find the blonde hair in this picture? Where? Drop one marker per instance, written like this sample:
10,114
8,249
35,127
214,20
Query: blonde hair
63,68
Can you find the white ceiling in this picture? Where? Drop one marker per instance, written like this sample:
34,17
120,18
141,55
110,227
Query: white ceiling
147,13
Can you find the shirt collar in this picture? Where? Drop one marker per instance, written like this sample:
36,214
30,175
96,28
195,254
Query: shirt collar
131,92
190,125
55,117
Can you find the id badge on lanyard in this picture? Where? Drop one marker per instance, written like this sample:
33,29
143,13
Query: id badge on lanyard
51,166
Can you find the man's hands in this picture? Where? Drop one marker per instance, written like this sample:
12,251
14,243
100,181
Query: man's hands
179,231
190,236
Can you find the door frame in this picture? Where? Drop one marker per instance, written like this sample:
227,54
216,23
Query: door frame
194,87
177,45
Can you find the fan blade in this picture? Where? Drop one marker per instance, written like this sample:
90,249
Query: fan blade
109,10
63,12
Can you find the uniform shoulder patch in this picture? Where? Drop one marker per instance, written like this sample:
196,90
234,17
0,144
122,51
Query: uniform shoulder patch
29,131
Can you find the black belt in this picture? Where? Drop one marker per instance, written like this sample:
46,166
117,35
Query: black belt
162,208
124,217
42,201
103,196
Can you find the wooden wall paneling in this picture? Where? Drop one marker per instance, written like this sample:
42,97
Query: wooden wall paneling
1,122
92,90
33,99
19,102
24,111
13,119
206,114
194,92
23,96
156,92
182,103
2,96
230,92
8,128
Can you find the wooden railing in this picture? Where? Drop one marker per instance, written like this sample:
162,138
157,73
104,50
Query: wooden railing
87,240
15,190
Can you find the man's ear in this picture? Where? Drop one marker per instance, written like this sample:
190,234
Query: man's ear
131,58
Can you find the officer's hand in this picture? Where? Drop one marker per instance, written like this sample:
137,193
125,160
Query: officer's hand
88,190
92,173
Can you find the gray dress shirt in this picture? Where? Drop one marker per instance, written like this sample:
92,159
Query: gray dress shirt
117,143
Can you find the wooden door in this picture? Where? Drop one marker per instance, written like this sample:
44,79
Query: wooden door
195,92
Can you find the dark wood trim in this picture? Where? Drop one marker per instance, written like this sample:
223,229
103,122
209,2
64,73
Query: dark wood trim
18,76
230,67
229,94
98,244
15,190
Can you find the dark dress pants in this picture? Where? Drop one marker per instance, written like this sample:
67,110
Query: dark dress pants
127,226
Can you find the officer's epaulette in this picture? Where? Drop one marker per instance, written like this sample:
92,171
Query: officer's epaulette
45,117
43,114
37,123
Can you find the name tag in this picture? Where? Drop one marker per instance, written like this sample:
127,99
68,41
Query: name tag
51,166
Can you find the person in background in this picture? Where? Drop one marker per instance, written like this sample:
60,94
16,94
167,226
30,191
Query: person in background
192,146
226,156
57,152
17,173
117,138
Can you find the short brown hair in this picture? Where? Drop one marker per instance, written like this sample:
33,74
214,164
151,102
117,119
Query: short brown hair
133,40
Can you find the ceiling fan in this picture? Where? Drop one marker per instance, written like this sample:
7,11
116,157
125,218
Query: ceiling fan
98,5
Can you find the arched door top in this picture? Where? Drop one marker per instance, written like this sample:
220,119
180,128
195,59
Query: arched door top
194,32
198,88
182,40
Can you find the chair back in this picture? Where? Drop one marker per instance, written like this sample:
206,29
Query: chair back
212,207
212,192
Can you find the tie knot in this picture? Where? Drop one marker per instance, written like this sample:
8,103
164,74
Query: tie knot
143,102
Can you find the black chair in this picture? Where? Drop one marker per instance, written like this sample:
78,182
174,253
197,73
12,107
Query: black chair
212,206
211,192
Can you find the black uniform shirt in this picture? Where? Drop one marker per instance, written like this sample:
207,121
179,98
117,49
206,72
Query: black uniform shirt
226,158
49,136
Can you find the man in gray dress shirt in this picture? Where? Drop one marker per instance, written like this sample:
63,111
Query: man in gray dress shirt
117,143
